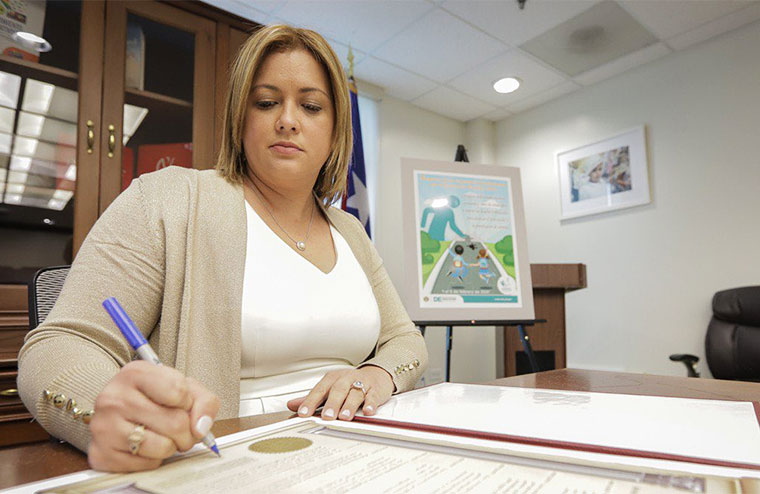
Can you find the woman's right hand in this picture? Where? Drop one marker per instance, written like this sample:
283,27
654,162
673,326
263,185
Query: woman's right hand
176,411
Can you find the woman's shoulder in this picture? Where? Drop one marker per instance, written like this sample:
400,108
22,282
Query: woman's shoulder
175,183
344,222
178,176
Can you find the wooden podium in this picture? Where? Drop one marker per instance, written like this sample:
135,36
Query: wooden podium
550,283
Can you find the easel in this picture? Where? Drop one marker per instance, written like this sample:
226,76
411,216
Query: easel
461,155
450,337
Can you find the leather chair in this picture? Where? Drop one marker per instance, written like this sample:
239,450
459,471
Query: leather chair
732,343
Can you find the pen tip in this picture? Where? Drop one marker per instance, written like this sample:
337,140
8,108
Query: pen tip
216,450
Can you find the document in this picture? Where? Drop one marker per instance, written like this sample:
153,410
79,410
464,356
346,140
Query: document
314,456
711,432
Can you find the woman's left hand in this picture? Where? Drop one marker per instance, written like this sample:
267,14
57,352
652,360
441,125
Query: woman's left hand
341,398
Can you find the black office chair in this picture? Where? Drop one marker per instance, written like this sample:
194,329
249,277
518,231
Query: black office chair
46,286
732,343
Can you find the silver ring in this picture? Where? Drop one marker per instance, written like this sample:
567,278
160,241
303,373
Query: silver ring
360,386
135,438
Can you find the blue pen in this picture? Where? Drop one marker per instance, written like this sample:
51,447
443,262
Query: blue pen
143,349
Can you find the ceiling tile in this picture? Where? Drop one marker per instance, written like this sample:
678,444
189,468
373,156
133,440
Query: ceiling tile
534,78
541,98
505,20
397,82
668,19
453,104
439,46
363,24
496,115
601,34
716,27
622,64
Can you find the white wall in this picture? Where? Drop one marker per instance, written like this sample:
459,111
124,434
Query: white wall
652,270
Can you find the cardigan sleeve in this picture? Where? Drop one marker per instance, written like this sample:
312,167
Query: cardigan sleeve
77,350
401,349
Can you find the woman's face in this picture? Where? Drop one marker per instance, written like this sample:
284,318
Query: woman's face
289,122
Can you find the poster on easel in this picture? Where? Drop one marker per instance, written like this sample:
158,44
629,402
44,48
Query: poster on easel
465,250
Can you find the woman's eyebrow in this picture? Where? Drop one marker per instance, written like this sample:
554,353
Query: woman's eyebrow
302,90
312,89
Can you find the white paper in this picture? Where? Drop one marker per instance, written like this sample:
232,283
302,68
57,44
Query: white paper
712,429
354,464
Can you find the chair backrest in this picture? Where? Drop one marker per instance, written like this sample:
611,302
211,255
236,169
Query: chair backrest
732,343
46,286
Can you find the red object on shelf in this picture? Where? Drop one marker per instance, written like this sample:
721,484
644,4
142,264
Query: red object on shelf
127,167
152,157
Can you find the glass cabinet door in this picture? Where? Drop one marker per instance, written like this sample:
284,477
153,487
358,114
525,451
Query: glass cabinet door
39,105
158,93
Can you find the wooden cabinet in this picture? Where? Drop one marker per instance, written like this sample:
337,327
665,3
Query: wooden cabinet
170,92
16,425
125,81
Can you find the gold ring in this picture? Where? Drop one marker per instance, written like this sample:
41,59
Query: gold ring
360,386
135,438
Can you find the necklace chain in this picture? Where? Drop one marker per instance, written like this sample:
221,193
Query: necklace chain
300,245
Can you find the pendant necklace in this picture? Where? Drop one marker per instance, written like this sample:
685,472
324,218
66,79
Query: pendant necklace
300,244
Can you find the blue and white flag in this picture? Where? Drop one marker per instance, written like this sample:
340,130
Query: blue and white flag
356,199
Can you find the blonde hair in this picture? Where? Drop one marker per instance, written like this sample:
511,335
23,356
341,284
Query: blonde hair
231,162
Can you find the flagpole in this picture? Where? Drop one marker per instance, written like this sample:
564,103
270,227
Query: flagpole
356,198
351,87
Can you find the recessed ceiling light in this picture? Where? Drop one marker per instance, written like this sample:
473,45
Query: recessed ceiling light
32,41
506,85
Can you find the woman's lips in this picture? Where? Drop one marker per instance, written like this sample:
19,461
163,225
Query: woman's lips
283,149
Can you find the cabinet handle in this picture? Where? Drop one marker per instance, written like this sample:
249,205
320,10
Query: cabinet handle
9,392
90,136
111,140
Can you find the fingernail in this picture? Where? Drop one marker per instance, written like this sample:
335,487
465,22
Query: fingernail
368,409
345,413
204,425
304,411
329,412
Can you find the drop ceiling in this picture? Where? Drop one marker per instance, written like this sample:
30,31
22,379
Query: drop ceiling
444,56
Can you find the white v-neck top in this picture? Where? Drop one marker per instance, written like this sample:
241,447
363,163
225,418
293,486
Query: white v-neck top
297,321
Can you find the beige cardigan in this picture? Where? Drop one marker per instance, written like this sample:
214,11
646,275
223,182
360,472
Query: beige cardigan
171,249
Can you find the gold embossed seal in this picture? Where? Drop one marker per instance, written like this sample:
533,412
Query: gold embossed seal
280,445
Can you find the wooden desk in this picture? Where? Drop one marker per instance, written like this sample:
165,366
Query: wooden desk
28,463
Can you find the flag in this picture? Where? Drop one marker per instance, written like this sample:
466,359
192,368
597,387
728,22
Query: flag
356,199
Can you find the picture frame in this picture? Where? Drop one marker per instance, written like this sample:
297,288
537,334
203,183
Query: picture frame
465,244
606,175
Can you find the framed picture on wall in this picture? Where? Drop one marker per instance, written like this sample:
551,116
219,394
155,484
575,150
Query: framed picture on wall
465,248
603,176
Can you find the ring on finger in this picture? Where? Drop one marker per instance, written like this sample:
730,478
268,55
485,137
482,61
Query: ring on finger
135,438
360,386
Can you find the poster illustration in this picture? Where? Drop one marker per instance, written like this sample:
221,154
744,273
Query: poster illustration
466,257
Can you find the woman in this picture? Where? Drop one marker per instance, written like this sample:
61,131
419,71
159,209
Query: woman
243,280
